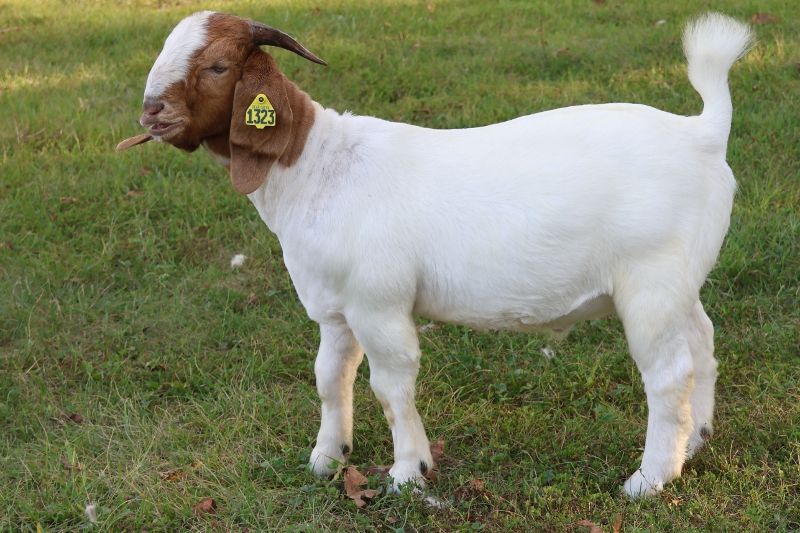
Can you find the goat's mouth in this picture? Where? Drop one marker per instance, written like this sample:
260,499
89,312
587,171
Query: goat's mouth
160,129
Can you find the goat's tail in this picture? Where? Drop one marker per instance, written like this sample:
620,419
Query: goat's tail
712,44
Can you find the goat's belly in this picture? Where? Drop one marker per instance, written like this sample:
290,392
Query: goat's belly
518,317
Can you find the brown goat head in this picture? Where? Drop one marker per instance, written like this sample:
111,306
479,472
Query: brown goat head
200,87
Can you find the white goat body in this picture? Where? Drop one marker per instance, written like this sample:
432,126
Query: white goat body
506,226
534,223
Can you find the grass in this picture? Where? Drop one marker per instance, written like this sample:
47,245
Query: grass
117,302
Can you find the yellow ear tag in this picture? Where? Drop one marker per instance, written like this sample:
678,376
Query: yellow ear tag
260,113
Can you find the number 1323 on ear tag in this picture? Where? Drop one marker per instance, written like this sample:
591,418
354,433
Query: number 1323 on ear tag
260,113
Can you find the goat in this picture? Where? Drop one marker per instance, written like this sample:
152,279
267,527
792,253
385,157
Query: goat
532,224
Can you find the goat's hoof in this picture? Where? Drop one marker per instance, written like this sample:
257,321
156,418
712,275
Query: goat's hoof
697,439
325,460
407,474
640,486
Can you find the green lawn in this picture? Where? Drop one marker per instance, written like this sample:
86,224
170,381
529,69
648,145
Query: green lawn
193,380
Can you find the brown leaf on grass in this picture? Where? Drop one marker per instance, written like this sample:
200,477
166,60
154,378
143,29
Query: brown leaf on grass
66,200
593,528
132,193
353,481
471,490
6,245
763,18
437,452
392,519
600,2
75,417
172,475
378,470
205,506
616,527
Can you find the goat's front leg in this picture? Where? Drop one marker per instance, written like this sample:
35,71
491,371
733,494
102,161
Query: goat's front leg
335,368
393,353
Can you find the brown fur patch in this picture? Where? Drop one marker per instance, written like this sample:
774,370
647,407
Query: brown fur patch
254,151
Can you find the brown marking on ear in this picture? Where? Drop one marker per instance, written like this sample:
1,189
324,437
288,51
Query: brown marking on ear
302,120
253,151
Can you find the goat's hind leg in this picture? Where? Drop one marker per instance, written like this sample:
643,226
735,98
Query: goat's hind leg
700,332
655,325
335,369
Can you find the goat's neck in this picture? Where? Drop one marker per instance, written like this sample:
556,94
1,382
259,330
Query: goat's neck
293,193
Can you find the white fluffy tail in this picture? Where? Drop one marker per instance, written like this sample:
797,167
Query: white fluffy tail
712,44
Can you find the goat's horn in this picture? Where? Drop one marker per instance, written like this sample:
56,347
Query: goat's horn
263,34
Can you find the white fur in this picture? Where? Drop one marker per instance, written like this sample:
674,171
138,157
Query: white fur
532,224
172,63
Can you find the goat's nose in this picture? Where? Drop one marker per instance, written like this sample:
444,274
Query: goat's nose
152,106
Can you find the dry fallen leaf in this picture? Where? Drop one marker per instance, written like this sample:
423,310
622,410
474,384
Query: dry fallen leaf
763,18
474,488
205,506
437,451
75,417
378,470
69,200
353,481
616,527
172,475
593,528
132,193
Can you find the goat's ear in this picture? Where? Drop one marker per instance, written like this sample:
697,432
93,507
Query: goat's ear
253,150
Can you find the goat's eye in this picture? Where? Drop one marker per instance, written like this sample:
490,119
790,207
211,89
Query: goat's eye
219,69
